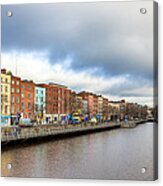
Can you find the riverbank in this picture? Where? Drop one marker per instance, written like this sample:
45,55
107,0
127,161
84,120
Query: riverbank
45,132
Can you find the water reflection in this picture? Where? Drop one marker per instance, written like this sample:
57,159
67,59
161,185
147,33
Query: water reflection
114,154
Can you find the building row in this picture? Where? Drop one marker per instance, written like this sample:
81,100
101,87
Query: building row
49,103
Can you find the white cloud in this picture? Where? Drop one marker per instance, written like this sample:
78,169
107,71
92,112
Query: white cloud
36,66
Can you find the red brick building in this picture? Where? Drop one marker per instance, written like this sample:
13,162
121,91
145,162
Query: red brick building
95,104
105,108
15,97
51,99
27,99
57,101
92,102
76,103
63,99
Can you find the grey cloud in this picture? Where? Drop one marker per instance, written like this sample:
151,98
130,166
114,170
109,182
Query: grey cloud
115,38
111,37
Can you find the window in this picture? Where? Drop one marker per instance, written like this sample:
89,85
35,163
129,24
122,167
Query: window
6,89
13,82
6,107
36,91
17,99
29,96
12,99
29,87
23,86
22,95
2,99
6,98
17,82
30,115
1,80
12,109
42,107
12,90
1,88
36,107
6,80
17,90
17,109
22,106
36,99
42,91
42,99
29,106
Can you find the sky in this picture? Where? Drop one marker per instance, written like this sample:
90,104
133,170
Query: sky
105,48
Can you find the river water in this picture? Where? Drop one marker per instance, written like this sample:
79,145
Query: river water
113,154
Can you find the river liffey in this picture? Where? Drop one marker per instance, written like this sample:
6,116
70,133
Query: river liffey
113,154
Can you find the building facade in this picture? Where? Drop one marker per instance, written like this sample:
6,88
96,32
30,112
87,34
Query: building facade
91,102
117,110
95,105
57,102
100,105
27,99
105,109
64,96
85,107
76,103
15,98
50,103
40,104
5,98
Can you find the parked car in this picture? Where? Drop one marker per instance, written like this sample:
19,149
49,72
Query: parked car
93,120
77,118
26,122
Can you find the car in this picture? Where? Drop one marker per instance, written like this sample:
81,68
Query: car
93,120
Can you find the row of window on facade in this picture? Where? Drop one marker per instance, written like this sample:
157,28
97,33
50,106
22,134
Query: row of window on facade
41,92
28,87
37,108
29,105
15,100
4,108
13,90
29,96
4,98
4,80
13,109
4,88
15,82
39,99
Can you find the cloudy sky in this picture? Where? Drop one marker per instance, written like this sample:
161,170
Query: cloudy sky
101,47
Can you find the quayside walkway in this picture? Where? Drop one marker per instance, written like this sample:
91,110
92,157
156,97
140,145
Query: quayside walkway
20,135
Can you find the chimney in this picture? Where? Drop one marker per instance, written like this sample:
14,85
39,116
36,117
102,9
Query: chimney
3,71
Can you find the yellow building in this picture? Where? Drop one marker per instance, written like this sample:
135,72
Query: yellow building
117,109
5,98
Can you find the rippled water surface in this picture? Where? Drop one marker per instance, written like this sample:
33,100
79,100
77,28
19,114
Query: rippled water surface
112,154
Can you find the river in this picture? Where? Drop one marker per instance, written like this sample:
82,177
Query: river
113,154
